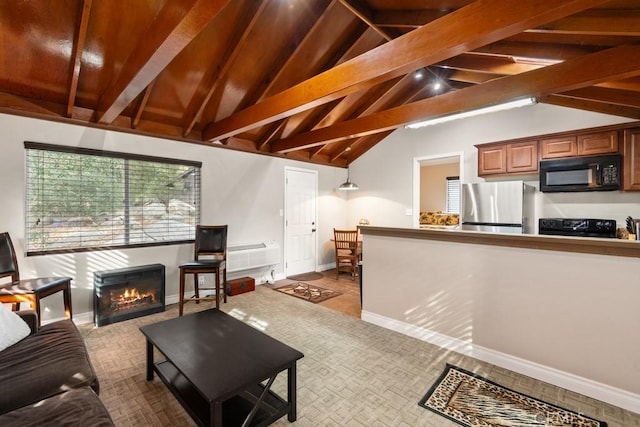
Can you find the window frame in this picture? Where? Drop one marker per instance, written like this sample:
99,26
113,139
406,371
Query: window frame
448,194
29,145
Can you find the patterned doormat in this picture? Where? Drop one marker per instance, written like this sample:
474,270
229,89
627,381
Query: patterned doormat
471,400
308,292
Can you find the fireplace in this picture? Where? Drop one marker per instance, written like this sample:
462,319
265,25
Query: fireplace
126,293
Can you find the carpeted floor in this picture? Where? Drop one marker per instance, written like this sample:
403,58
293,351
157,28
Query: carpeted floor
353,373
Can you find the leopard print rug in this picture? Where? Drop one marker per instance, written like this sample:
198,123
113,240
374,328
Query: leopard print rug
471,400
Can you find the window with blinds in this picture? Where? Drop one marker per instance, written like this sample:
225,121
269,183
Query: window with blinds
453,194
79,199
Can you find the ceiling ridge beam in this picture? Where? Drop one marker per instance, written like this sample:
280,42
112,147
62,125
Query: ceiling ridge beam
78,48
446,37
174,28
611,64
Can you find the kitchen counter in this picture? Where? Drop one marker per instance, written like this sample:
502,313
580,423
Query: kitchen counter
589,245
560,309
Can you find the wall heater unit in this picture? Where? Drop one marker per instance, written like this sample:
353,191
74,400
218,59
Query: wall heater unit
253,255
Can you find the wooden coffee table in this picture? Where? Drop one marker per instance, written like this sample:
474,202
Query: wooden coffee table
221,369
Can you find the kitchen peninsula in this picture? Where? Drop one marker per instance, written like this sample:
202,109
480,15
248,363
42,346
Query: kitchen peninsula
559,309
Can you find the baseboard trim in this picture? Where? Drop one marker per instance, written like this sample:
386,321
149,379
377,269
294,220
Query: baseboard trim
603,392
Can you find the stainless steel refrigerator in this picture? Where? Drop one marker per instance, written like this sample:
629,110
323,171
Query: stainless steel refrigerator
500,207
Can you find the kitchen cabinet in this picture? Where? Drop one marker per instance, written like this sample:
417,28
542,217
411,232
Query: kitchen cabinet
588,144
492,160
554,148
631,160
597,143
499,159
522,157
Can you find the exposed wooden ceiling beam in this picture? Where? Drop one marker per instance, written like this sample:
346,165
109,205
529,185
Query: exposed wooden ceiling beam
365,15
549,51
174,28
367,143
600,21
215,74
291,71
611,64
610,96
409,19
76,55
487,64
135,120
446,37
314,116
632,84
590,105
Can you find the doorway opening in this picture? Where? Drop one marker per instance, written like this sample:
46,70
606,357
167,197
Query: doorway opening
435,181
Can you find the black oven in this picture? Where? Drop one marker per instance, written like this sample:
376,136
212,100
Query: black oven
594,173
577,227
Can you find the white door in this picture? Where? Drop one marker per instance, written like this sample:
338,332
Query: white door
301,190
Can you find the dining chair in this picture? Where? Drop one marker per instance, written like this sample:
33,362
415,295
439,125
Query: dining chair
348,251
28,290
210,256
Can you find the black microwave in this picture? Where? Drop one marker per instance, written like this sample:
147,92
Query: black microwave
593,173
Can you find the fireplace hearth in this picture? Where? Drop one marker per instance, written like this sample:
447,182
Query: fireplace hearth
126,293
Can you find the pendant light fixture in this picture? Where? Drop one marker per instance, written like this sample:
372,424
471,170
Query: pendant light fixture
348,185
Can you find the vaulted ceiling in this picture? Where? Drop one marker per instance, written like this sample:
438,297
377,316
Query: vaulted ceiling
321,81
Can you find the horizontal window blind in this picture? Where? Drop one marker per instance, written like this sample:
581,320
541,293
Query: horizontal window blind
453,194
81,199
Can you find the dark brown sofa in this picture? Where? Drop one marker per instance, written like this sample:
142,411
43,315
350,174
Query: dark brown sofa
47,379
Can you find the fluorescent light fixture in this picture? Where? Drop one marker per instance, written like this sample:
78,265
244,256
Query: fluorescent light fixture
490,109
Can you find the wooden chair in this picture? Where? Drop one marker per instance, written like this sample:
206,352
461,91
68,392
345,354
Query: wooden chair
210,257
28,290
348,251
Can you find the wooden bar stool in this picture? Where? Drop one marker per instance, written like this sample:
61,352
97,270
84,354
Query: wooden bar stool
28,290
211,241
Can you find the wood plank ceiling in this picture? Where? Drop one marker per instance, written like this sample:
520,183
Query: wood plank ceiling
321,81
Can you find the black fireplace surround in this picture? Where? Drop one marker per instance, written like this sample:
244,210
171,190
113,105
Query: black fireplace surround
126,293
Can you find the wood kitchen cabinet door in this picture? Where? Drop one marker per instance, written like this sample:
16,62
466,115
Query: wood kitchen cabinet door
522,157
492,160
555,148
598,143
631,159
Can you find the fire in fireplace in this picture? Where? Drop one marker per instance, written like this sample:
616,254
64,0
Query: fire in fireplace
127,293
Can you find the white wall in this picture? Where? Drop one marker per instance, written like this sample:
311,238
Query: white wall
433,185
384,173
245,191
567,318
